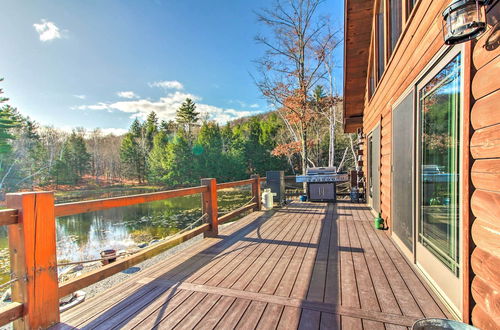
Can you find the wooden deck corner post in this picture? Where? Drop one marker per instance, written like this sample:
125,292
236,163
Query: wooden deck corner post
33,259
256,192
209,206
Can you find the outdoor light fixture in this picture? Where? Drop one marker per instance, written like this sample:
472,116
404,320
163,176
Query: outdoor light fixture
464,20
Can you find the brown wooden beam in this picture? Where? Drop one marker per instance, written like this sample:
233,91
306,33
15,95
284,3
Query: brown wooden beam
235,213
8,217
256,192
33,262
209,206
107,203
226,185
10,312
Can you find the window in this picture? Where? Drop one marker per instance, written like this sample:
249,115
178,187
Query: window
371,81
372,86
411,5
380,40
396,17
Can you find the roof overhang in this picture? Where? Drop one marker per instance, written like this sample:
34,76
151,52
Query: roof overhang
357,33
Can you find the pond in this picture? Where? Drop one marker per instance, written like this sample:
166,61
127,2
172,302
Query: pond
84,236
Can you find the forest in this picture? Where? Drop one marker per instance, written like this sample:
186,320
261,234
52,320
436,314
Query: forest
167,153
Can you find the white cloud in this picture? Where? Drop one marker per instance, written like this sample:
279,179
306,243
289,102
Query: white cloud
172,84
167,106
128,95
47,30
254,106
98,106
81,96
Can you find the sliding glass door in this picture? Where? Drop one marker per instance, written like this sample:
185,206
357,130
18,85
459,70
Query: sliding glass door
438,177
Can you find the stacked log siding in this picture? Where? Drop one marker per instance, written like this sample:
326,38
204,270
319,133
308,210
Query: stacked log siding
485,176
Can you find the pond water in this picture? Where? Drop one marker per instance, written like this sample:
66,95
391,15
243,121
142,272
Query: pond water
84,236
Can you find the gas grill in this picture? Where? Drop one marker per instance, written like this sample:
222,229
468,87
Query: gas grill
321,183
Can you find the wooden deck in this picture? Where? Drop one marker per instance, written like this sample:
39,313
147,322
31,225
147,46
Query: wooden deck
306,266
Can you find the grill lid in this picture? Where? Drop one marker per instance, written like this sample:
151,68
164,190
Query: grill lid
321,170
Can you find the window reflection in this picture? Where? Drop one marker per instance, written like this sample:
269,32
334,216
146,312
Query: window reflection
396,22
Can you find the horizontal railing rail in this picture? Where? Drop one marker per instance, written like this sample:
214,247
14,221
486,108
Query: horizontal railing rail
30,218
233,184
107,203
231,215
8,217
11,312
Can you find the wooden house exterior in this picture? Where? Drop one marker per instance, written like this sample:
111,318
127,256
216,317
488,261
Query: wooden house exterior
430,120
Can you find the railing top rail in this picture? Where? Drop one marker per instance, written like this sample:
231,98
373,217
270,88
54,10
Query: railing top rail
107,203
8,217
232,184
10,312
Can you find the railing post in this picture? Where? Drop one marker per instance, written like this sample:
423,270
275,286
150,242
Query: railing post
33,259
256,192
209,206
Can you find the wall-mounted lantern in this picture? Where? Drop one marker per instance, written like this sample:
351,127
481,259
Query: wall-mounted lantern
464,20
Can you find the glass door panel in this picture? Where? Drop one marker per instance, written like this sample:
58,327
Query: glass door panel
438,178
439,213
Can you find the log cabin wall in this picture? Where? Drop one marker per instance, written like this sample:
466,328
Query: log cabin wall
420,41
485,175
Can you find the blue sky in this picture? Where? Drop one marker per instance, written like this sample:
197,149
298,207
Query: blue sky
94,63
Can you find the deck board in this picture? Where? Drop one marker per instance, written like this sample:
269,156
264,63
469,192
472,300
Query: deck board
306,266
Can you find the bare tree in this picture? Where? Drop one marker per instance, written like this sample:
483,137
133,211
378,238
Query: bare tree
294,62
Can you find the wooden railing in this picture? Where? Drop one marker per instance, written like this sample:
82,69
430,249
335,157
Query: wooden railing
30,218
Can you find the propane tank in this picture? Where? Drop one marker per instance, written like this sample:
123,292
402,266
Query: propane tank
267,199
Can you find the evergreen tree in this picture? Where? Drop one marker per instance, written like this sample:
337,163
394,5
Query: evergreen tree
169,127
132,158
136,128
8,121
187,116
74,162
151,127
208,151
157,160
181,167
134,151
259,141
